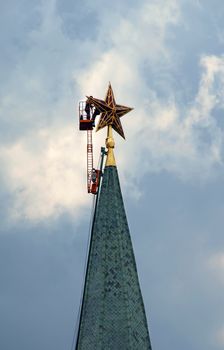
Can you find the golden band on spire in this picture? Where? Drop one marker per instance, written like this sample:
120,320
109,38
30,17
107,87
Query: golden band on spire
110,147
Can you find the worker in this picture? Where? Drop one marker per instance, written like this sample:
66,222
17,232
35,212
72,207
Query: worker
88,108
94,175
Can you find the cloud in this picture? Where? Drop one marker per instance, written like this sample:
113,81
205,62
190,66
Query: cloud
45,175
219,337
135,53
216,266
176,136
42,163
186,139
133,41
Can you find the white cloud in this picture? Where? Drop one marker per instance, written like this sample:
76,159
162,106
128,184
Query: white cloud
183,139
44,166
219,336
46,174
137,38
216,262
190,143
161,133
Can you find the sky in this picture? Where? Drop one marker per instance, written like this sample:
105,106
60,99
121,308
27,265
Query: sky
165,58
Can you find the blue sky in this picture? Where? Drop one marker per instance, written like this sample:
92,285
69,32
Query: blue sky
165,59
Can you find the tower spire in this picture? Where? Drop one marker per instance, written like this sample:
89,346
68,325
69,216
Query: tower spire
112,313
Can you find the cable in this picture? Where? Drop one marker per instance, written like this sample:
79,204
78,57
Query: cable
91,223
84,274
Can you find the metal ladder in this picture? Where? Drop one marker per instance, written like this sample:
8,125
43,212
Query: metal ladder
89,159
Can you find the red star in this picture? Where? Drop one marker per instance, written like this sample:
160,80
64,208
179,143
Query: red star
110,112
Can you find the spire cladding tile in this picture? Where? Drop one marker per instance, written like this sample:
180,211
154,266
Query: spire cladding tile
113,315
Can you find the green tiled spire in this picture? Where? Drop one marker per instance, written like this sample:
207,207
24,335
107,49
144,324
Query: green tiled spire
112,315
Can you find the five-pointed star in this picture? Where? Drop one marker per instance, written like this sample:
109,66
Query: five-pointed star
110,111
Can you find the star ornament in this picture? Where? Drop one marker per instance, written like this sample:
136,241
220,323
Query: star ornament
110,111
